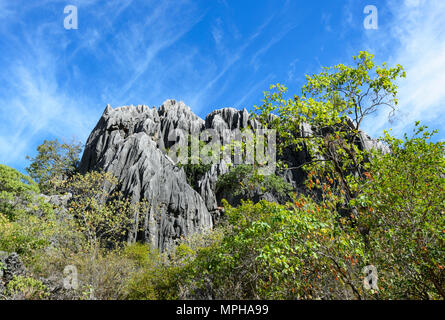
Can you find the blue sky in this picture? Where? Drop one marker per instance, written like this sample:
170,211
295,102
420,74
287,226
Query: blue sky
55,83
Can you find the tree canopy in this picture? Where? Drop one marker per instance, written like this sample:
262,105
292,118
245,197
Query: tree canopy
54,162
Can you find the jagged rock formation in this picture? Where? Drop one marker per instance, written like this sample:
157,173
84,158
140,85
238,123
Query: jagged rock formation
12,266
128,142
131,142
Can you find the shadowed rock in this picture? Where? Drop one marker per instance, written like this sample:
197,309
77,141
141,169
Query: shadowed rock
131,142
128,142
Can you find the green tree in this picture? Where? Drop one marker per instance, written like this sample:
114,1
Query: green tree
325,120
244,181
402,204
54,162
271,251
103,215
27,223
16,191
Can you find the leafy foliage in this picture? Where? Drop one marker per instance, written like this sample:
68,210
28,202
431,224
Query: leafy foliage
241,179
319,121
271,251
366,208
26,221
26,233
101,213
54,162
16,191
402,204
21,287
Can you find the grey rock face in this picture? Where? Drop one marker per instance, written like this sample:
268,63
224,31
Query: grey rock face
131,142
59,203
227,122
176,115
128,142
3,256
13,267
368,143
227,118
58,200
10,266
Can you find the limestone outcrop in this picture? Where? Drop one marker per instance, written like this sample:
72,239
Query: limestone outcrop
132,143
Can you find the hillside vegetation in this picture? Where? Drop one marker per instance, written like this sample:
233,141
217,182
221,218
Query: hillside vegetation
370,223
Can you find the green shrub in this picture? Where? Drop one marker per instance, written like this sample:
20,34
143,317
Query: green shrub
26,234
155,278
402,206
54,163
21,287
242,179
104,216
16,191
27,223
271,251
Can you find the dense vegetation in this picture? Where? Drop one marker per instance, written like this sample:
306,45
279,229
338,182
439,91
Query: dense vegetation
364,208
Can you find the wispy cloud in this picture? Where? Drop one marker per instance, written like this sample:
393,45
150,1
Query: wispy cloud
254,88
49,79
415,38
326,21
36,107
143,42
292,70
235,56
56,82
5,10
255,59
217,33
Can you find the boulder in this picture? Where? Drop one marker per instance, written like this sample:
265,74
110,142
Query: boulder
13,266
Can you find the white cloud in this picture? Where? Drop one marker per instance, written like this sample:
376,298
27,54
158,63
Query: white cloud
217,32
255,87
37,101
326,21
33,103
36,106
292,70
236,55
55,82
416,40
